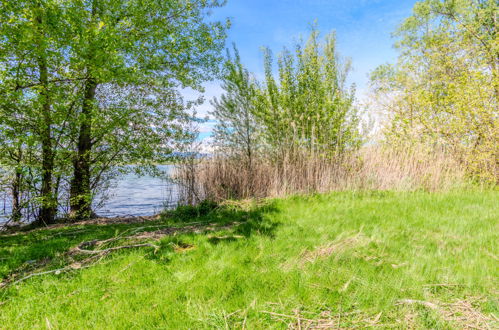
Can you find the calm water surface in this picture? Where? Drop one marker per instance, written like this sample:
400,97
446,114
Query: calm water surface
133,195
140,195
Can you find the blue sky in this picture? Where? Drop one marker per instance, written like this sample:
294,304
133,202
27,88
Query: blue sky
363,29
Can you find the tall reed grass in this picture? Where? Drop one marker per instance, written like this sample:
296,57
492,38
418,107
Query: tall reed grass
371,168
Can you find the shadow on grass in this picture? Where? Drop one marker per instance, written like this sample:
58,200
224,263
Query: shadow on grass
247,220
220,224
22,252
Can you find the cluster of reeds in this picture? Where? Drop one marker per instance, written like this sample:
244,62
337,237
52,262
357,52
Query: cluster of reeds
371,168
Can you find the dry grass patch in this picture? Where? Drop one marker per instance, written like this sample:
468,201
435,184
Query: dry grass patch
337,247
462,313
466,314
349,242
327,320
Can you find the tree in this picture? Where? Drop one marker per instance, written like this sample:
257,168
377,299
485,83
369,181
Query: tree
32,56
443,92
121,43
308,105
304,111
236,131
287,130
99,81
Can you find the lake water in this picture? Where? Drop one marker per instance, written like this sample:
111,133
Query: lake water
134,195
140,195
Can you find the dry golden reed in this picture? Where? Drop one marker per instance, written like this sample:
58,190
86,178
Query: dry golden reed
371,168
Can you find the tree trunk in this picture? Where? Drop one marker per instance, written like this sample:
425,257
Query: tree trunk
81,199
16,196
49,205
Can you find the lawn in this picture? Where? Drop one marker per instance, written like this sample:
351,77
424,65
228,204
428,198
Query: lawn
341,260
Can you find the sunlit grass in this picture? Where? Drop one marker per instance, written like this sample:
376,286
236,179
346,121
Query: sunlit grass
347,258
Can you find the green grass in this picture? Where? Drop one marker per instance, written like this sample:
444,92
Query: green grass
346,257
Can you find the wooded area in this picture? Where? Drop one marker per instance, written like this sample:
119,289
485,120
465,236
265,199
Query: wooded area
89,87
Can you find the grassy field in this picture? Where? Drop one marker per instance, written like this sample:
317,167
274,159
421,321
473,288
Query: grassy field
343,260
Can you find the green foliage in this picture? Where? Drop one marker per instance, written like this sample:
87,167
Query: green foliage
237,130
307,105
185,213
444,90
265,264
86,86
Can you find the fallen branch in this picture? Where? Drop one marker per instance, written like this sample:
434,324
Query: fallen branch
56,271
38,274
84,248
105,251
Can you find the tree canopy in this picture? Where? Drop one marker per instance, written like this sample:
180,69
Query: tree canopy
443,91
307,105
90,84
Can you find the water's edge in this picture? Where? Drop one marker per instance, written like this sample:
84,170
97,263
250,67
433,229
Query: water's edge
132,195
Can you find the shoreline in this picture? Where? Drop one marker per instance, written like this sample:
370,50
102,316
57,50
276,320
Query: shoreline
6,229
